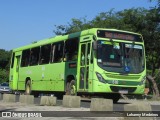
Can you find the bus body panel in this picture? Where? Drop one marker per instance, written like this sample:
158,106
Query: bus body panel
43,77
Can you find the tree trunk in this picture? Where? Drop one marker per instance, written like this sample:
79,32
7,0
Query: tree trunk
155,88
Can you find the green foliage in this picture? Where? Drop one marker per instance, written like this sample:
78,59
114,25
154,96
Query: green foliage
4,65
4,59
4,75
75,26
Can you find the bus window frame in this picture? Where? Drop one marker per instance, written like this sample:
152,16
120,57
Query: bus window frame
12,60
38,55
52,58
26,57
75,53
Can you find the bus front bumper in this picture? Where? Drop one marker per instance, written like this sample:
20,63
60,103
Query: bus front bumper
111,88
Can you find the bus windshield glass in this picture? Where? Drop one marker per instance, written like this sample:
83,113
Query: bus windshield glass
120,57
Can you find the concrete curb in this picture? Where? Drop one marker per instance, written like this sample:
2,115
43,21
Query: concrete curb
28,99
101,104
9,98
48,100
71,101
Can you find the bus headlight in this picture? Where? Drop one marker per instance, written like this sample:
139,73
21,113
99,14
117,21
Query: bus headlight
100,78
143,80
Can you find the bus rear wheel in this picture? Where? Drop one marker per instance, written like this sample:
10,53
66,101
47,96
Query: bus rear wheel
70,88
28,88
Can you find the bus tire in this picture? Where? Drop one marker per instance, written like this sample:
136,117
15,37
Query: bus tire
70,88
28,88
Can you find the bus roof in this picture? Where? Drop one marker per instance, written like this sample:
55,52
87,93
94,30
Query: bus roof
92,31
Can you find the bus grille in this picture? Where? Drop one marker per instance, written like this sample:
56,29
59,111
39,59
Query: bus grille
116,89
127,77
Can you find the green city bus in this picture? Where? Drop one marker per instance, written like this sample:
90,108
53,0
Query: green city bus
97,61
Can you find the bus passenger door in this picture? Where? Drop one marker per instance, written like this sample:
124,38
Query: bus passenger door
84,66
16,71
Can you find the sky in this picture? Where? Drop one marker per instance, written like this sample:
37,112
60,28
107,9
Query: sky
25,21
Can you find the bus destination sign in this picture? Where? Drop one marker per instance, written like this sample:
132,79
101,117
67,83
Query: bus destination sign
119,35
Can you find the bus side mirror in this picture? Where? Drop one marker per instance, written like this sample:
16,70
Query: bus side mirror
94,44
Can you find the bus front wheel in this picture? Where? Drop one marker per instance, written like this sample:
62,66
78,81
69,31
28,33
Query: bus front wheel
28,88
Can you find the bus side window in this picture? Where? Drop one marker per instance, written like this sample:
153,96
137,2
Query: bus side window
12,62
34,56
25,58
71,49
45,54
57,52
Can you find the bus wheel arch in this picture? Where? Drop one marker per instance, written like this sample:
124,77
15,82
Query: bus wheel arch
70,85
28,87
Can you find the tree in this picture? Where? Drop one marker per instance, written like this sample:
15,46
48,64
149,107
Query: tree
4,65
4,75
5,58
75,26
151,79
153,48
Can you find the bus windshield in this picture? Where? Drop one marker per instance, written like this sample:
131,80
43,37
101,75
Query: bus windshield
120,57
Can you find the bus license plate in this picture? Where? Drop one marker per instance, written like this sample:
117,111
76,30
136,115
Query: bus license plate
123,91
